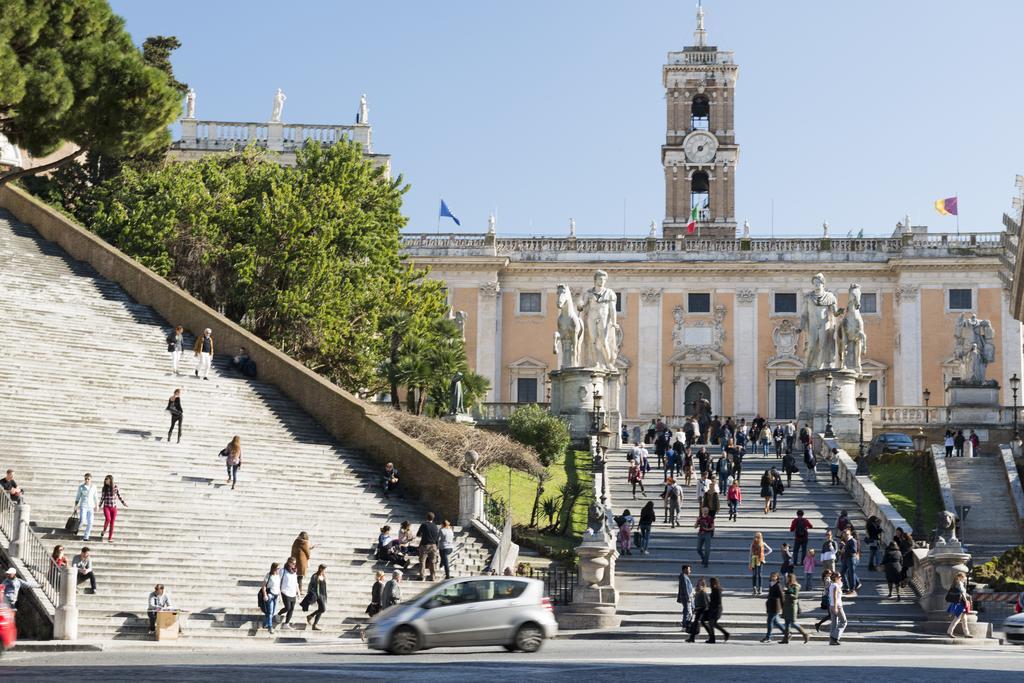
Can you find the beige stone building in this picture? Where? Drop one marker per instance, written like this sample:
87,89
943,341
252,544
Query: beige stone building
717,312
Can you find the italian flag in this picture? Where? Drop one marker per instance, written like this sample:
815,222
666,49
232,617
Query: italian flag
692,225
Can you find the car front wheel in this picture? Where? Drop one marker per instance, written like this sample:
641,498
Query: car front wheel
404,641
529,638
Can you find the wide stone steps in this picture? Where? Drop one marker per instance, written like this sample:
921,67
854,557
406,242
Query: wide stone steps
980,482
84,381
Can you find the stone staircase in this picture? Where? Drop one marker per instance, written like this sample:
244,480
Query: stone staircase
648,583
84,381
991,527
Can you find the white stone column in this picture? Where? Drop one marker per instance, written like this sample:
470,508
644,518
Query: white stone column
744,341
648,365
65,620
188,131
471,499
21,530
908,355
1011,350
488,337
275,136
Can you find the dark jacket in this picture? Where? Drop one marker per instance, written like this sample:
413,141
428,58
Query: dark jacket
318,588
790,602
773,605
700,600
715,603
375,592
174,407
711,502
892,560
647,516
685,592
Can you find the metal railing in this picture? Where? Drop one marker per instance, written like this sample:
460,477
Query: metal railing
497,412
495,511
559,582
39,562
7,515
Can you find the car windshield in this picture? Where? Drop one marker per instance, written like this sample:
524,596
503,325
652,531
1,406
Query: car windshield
899,440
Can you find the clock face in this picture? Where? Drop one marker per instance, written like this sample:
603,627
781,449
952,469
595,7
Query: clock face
700,147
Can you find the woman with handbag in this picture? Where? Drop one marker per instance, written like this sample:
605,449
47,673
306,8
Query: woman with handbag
700,608
174,408
626,533
714,613
959,606
375,594
317,592
647,517
766,490
269,590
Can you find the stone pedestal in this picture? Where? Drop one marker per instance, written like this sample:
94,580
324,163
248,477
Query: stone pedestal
933,574
471,499
65,620
814,400
572,398
460,418
973,404
595,601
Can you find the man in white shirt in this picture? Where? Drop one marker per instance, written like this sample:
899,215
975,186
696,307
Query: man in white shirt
87,501
83,563
835,607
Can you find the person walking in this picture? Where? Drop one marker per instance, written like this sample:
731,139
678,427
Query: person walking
430,536
734,496
289,588
625,534
787,566
705,526
317,593
892,562
711,499
850,556
779,437
203,351
174,408
777,488
109,496
800,528
759,550
833,465
391,594
673,501
766,490
714,613
269,592
826,584
959,606
829,550
87,502
791,609
301,551
174,347
838,613
873,528
684,596
700,610
810,563
636,477
812,464
447,545
773,608
958,443
233,459
647,517
376,594
789,467
688,466
790,435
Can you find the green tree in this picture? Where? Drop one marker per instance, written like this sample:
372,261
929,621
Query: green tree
69,73
536,427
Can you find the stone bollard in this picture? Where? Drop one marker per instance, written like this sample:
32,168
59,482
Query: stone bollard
65,620
471,499
21,529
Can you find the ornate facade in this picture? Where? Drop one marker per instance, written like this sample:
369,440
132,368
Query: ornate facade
718,314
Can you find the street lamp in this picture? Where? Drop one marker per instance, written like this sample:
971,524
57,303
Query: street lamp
920,443
604,439
1015,384
862,463
927,395
828,407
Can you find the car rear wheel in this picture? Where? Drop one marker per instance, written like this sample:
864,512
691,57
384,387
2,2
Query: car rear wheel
404,641
529,638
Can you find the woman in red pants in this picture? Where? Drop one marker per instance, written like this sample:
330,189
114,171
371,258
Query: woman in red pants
108,499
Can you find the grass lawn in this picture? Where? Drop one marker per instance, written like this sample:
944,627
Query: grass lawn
574,466
897,479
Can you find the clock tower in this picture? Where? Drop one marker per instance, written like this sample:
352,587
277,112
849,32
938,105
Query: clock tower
700,150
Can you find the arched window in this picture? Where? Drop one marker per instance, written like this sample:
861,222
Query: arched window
700,113
700,196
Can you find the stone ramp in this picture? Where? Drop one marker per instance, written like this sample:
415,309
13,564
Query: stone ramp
84,381
648,583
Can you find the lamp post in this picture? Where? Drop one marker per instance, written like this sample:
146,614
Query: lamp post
862,463
920,442
1015,384
604,438
828,407
927,395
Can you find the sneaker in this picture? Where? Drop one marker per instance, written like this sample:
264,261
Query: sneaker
317,628
207,379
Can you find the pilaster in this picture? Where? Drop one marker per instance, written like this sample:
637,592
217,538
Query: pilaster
744,340
488,327
908,353
649,360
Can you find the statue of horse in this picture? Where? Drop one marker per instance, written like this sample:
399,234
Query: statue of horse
852,342
569,337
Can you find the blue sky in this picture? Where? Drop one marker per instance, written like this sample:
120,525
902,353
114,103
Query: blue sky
853,112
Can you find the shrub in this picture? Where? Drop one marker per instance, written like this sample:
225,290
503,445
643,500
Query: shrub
546,434
1003,573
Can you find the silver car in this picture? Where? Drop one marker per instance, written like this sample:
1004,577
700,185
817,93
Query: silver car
481,610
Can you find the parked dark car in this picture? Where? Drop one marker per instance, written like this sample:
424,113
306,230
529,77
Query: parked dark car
890,442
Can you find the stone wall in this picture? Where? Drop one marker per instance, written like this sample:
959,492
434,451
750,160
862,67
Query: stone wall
1013,481
352,421
942,475
867,494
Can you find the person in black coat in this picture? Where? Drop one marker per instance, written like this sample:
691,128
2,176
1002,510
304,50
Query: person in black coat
892,561
773,608
714,613
174,408
317,592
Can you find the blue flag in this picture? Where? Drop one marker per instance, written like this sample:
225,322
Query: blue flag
447,213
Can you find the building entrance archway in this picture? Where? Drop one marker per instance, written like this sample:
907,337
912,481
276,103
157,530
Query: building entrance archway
693,391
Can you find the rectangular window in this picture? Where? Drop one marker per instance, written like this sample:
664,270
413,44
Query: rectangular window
529,302
959,299
785,302
618,302
873,393
526,390
785,399
869,302
698,303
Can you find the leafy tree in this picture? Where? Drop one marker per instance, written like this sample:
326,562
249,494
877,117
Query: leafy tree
306,257
70,73
536,427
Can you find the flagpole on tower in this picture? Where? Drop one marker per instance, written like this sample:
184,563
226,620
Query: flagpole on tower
957,195
439,200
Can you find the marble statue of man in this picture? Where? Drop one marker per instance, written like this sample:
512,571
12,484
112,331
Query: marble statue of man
279,98
190,104
364,111
599,325
974,366
456,402
818,321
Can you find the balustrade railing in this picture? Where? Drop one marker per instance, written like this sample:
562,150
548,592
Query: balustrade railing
39,562
498,411
7,516
559,582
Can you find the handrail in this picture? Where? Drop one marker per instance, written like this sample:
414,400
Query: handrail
31,550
